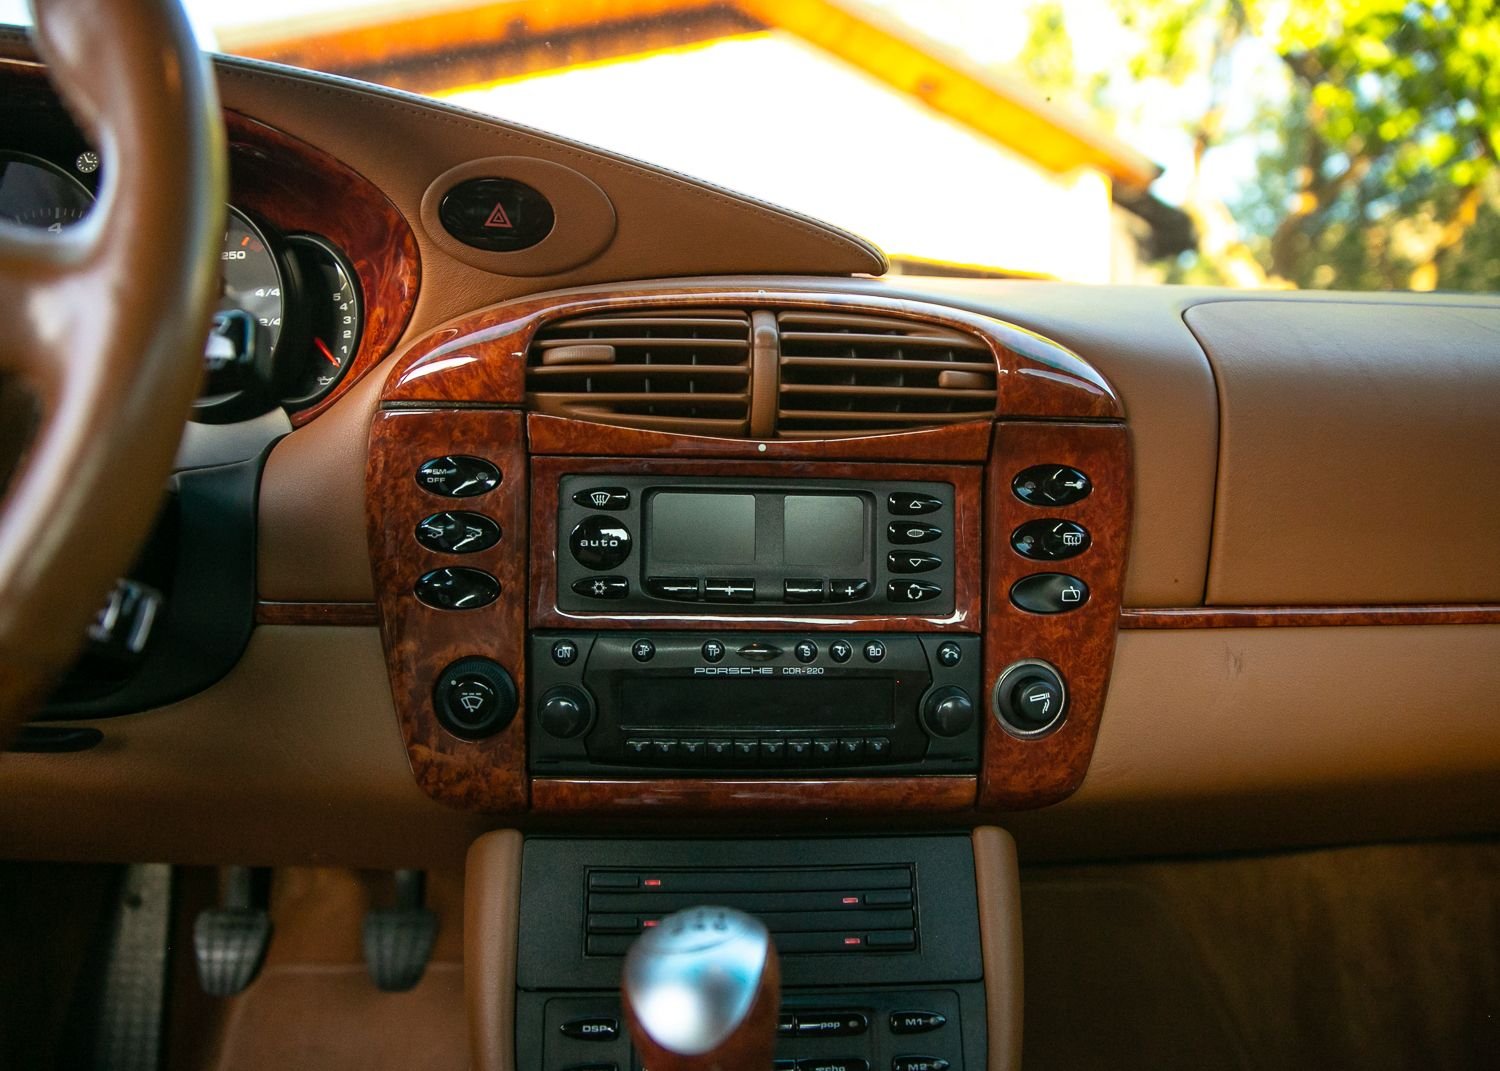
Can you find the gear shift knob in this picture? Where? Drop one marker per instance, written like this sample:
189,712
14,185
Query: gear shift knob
701,992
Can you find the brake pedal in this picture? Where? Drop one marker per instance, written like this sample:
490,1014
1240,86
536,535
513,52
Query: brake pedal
230,942
398,940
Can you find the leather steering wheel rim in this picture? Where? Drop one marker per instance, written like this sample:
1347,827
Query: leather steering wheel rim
104,324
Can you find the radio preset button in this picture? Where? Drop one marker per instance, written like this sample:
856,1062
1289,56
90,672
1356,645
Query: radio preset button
719,750
805,651
565,652
643,650
802,590
600,542
874,651
713,651
912,591
851,749
663,750
949,654
910,503
458,476
680,588
759,651
691,751
602,1028
851,589
840,650
637,748
603,498
746,752
825,750
772,751
602,587
798,749
877,747
911,532
737,589
908,562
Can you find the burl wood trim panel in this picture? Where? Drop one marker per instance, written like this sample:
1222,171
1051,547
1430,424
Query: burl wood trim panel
297,188
872,796
1019,772
356,614
482,357
420,642
967,510
1307,616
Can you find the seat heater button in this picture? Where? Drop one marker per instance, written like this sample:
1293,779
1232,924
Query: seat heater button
916,1022
817,1024
457,476
597,1028
1049,593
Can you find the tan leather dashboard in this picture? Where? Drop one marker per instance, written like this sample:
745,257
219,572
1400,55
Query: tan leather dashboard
1324,451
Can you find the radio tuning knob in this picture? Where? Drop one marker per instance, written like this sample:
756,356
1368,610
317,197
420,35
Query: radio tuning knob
564,711
949,711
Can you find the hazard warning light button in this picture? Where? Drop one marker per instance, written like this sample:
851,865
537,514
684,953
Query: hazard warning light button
499,215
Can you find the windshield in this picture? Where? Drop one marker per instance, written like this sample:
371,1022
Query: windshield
1332,144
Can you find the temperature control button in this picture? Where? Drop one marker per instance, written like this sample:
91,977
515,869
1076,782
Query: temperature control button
600,542
681,588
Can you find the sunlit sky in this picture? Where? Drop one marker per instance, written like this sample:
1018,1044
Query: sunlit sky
587,106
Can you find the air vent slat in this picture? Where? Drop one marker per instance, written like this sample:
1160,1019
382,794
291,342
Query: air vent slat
851,374
670,370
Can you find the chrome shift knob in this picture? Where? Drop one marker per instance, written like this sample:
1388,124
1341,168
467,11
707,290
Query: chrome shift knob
701,991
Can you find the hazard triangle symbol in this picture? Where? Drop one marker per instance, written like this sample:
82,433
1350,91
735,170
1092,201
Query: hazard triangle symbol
498,218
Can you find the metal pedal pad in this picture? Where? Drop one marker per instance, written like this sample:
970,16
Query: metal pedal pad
230,942
398,940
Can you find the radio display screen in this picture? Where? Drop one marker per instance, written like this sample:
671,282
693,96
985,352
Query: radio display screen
706,529
824,530
809,703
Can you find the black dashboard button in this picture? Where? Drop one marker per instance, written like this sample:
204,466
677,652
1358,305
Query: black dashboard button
637,747
835,1024
596,1028
919,1063
802,590
877,747
457,532
713,651
911,591
497,215
643,650
798,749
565,652
805,651
1050,540
719,750
850,589
906,561
834,1063
564,711
892,939
1049,593
678,588
840,651
851,749
949,654
600,542
457,588
911,503
603,498
746,752
1050,485
825,750
874,651
907,532
602,587
691,752
458,476
738,589
475,698
772,752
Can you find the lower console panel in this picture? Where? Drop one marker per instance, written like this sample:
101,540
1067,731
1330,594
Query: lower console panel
878,937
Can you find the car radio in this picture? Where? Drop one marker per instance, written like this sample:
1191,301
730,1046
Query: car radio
665,543
705,704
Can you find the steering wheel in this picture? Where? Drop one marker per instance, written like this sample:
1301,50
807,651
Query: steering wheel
102,326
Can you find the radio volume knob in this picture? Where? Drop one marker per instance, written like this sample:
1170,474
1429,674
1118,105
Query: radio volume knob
565,711
948,712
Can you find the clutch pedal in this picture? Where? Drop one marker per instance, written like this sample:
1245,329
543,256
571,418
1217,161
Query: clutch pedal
398,940
230,942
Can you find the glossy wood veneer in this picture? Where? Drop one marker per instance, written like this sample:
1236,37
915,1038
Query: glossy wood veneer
1184,617
420,642
872,796
967,509
299,189
481,357
1019,772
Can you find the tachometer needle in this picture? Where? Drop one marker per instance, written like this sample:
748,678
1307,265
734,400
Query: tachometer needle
328,353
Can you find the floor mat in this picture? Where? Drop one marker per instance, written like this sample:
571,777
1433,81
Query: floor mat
1376,958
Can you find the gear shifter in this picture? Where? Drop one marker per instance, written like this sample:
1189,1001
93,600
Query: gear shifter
701,992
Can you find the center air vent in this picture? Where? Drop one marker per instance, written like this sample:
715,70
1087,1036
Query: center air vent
814,374
848,373
672,370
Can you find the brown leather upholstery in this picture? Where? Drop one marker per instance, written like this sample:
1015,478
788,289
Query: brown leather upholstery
105,323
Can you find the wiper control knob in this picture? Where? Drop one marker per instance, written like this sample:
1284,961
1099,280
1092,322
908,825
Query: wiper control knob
701,992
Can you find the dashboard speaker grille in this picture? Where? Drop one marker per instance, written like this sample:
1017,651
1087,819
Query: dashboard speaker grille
668,370
847,373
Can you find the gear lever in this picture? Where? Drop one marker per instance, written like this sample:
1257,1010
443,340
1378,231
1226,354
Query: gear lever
701,992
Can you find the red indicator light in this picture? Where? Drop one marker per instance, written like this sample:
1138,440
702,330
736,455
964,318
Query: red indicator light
850,900
853,941
650,923
651,883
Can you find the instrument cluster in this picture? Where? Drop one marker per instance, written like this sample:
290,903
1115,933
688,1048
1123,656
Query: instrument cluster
290,309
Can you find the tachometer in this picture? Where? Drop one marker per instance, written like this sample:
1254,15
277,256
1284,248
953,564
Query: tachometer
330,292
37,193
